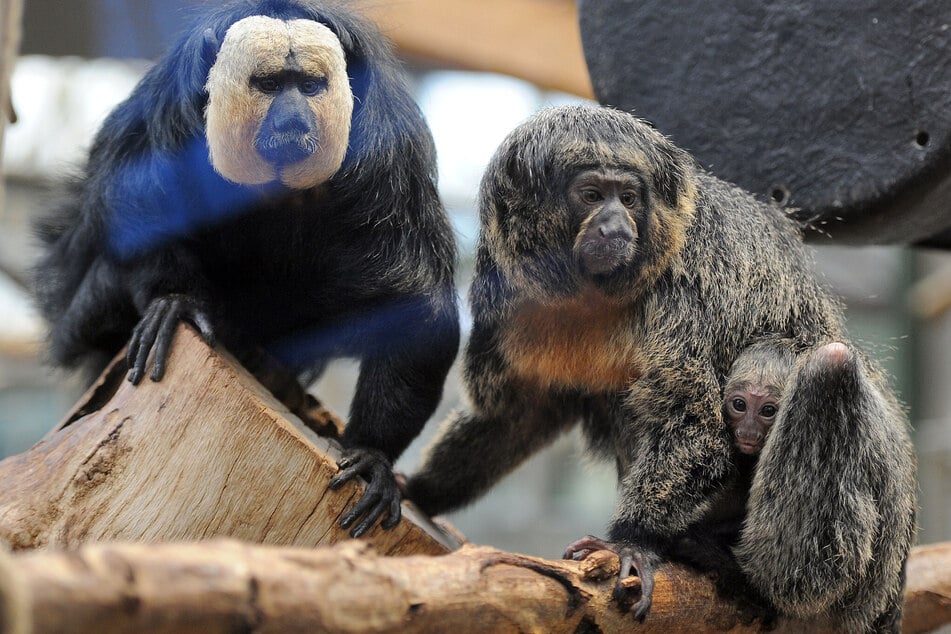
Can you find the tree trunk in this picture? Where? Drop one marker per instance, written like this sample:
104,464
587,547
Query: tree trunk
227,586
206,452
11,12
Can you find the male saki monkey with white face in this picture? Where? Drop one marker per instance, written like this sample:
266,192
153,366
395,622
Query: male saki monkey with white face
271,182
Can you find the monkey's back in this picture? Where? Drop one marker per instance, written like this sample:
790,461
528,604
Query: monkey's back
743,273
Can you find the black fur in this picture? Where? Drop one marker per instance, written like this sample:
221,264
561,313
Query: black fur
361,266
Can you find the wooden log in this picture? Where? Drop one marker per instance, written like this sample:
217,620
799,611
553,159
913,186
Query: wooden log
11,12
227,586
206,452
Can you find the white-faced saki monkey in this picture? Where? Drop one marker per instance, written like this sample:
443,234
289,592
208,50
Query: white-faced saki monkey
616,282
271,182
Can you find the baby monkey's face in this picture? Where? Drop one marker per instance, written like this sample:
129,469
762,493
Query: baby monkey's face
750,411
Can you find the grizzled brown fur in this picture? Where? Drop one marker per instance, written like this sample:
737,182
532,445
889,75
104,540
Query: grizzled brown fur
639,355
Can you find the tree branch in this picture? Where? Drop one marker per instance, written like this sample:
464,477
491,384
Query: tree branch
229,586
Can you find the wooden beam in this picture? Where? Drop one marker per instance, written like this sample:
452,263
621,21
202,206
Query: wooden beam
536,40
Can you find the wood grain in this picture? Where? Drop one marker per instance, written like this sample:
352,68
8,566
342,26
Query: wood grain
206,452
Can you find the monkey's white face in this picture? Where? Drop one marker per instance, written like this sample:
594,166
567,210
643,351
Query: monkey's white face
279,103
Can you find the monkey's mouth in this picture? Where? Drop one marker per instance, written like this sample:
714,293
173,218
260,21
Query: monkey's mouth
749,447
604,256
286,149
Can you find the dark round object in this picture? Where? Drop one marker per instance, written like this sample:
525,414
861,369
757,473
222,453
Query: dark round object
838,108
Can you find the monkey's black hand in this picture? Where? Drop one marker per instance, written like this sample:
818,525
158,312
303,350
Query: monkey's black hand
156,330
643,560
382,494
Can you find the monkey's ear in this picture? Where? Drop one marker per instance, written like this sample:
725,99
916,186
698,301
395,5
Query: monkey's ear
670,179
209,47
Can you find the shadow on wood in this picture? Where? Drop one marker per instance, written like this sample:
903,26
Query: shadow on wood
206,452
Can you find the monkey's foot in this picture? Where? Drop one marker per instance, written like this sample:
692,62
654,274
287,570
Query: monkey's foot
381,496
580,549
156,330
642,561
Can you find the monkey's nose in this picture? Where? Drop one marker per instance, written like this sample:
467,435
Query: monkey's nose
290,123
615,229
607,243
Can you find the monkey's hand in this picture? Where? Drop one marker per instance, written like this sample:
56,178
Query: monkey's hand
156,330
643,560
382,494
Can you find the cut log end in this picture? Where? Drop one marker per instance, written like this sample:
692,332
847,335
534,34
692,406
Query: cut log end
206,452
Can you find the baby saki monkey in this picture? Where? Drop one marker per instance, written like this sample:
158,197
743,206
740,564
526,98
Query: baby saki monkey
616,283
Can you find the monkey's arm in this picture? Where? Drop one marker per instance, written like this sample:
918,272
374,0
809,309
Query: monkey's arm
679,458
166,286
505,425
157,207
400,384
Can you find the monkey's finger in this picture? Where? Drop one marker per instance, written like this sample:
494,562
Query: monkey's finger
133,348
643,606
135,343
345,462
395,512
146,339
205,328
578,555
583,547
626,564
345,476
355,459
645,570
163,344
370,519
369,499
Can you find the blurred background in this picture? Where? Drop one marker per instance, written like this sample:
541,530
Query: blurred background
478,69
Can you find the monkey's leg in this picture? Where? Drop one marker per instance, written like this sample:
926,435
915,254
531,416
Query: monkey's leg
474,451
814,506
676,466
707,547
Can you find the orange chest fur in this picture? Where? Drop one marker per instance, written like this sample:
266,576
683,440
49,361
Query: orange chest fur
584,342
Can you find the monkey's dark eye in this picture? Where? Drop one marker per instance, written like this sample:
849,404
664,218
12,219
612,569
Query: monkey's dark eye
628,199
590,195
313,85
266,84
768,411
739,405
